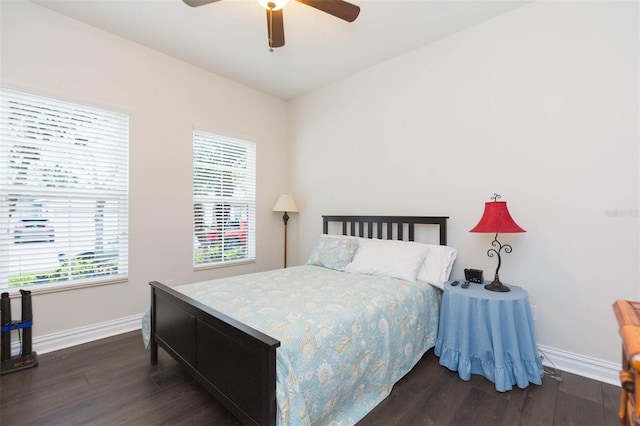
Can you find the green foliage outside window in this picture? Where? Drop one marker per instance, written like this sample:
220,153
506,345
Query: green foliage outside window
75,269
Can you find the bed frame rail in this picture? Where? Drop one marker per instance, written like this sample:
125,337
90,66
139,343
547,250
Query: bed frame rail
352,223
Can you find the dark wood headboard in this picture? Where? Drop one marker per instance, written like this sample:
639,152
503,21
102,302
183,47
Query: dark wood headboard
351,223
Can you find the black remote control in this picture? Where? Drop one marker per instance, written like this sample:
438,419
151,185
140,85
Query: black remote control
455,283
465,284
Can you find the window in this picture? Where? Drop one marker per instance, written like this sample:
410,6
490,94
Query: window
224,197
63,193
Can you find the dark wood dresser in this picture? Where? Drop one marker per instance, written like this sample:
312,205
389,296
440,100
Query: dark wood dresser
628,316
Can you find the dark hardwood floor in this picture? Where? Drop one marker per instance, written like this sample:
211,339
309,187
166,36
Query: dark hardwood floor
110,382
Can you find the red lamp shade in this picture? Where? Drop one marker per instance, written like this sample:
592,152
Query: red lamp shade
496,219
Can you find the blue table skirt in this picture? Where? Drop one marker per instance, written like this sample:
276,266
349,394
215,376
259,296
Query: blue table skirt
489,333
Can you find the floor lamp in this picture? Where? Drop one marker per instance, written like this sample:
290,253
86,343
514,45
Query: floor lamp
285,204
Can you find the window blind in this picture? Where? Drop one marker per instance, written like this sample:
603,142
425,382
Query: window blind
224,192
63,192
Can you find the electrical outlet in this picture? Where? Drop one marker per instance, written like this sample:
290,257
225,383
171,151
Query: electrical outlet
534,313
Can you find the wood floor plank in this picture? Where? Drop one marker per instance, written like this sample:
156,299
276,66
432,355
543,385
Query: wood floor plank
514,407
185,400
441,399
573,410
58,365
96,407
479,408
611,403
396,410
110,382
540,404
38,403
582,387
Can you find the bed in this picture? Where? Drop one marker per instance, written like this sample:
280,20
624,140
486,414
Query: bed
297,377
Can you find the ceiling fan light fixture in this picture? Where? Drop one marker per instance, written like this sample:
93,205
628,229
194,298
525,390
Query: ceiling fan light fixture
273,4
275,24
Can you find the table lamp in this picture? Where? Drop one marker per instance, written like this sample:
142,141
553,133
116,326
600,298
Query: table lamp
285,204
496,219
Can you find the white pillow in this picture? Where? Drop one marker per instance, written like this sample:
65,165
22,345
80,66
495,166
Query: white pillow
396,259
435,269
437,264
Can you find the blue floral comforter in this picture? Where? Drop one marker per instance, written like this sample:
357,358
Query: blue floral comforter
345,338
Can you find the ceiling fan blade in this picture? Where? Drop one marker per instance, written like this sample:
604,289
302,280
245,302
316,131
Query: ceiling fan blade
338,8
275,25
196,3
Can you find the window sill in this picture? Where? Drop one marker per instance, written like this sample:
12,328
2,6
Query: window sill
224,264
14,292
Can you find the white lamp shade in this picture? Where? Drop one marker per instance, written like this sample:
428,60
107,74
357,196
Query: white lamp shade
285,204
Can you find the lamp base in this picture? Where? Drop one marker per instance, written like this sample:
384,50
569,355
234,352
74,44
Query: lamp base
496,285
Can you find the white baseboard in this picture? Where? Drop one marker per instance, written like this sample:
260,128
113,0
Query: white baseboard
604,371
597,369
78,336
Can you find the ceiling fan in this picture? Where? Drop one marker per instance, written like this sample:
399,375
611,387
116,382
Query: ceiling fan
275,24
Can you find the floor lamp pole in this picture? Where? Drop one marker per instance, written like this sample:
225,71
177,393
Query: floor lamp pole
285,219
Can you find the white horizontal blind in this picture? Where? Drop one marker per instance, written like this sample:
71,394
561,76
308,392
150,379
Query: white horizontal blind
224,193
63,193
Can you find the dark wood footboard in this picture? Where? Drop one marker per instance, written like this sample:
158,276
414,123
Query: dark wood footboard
234,362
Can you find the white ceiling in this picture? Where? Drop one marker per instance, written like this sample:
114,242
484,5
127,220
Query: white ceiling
229,37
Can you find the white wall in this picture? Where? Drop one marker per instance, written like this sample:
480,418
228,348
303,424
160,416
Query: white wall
48,52
539,105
